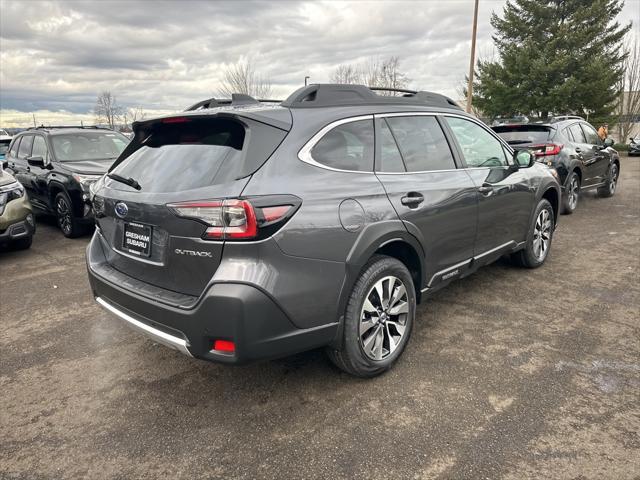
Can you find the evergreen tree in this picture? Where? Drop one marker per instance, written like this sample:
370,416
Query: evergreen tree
556,57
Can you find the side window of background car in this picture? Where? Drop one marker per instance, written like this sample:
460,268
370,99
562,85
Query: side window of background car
39,148
422,143
576,133
480,148
25,147
390,159
14,148
568,134
347,147
590,134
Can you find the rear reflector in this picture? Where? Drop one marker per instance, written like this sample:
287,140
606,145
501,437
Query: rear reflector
224,346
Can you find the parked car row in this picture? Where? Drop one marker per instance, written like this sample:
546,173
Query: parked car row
239,230
573,148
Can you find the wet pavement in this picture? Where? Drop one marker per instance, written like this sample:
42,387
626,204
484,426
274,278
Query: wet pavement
510,374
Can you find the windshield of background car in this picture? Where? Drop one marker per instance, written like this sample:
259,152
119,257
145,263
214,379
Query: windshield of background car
71,147
521,134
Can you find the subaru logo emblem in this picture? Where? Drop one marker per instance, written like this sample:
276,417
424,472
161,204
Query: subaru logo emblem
121,209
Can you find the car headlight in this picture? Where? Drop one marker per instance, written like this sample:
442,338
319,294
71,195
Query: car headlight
9,192
86,181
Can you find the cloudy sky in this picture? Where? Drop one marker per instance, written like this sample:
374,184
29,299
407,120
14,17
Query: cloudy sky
163,56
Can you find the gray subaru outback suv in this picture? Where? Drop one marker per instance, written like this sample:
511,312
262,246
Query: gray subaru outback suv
248,231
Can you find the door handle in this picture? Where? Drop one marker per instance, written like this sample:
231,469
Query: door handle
485,189
412,199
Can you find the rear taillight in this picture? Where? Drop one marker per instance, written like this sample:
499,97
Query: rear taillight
232,219
546,149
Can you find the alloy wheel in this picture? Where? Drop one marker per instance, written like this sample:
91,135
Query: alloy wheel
383,319
542,235
613,178
64,215
574,191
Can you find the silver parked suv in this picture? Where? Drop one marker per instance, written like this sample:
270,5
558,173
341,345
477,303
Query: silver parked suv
247,231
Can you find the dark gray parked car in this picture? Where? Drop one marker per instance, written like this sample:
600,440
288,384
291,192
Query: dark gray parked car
248,231
573,148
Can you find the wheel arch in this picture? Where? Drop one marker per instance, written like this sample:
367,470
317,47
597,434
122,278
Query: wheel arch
389,238
553,196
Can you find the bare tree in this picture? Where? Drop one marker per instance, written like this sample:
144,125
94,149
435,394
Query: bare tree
107,109
629,105
374,72
241,77
133,114
346,73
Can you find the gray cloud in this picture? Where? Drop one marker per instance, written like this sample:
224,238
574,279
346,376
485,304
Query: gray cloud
167,55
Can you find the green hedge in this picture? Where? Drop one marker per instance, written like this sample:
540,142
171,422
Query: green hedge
621,147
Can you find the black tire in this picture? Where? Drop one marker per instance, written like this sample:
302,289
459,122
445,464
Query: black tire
362,328
530,256
612,182
570,199
23,243
67,222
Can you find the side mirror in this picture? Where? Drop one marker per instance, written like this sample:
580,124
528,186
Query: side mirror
5,164
608,142
35,161
524,158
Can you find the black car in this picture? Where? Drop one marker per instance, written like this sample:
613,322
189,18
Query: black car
571,146
57,165
634,146
248,231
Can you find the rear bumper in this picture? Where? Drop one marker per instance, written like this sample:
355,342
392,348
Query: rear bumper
235,312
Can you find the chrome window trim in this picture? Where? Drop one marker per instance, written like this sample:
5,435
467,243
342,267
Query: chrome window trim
305,152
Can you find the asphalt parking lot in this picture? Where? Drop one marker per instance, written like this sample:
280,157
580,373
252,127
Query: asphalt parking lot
510,374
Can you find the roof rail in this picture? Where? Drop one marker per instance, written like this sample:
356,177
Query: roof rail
236,99
335,95
560,118
43,127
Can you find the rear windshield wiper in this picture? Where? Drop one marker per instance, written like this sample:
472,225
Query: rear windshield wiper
127,181
517,142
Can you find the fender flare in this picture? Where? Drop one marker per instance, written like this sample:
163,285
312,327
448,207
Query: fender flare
372,238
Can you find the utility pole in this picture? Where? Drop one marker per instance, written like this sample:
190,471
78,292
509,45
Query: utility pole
34,120
305,80
472,61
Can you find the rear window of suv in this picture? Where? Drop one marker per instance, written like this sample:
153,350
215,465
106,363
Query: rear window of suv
521,134
187,153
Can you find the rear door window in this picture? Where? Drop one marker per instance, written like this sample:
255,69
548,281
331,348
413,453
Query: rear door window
195,153
422,143
576,133
25,146
390,159
348,146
